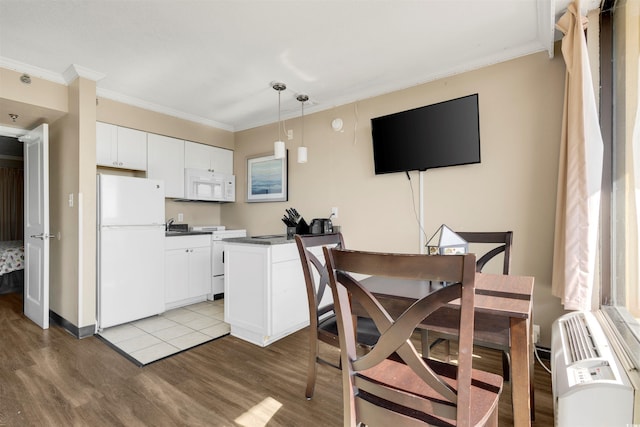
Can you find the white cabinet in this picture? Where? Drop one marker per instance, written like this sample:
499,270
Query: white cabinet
187,269
119,147
265,294
165,161
207,157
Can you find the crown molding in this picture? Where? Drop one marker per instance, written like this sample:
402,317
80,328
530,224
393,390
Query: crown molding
74,71
33,71
129,100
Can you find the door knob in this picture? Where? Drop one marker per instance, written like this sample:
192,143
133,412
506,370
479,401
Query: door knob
42,236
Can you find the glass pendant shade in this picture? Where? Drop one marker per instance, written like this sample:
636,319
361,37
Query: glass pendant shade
302,154
278,150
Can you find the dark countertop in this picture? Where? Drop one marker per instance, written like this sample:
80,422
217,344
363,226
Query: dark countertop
271,239
185,233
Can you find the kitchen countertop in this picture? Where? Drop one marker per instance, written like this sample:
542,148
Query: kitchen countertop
271,239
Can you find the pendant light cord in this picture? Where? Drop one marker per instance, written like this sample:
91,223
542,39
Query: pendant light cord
279,122
302,98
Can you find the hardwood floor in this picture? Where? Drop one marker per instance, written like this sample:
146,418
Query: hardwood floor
49,378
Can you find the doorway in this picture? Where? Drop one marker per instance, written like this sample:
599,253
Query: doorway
33,254
11,215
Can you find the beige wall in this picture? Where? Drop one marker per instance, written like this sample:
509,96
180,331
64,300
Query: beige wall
39,102
110,111
72,174
512,189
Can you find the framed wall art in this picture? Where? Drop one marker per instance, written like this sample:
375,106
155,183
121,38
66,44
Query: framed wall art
267,178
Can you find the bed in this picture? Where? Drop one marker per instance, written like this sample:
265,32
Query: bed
11,266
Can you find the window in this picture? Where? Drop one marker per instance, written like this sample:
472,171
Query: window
621,90
620,123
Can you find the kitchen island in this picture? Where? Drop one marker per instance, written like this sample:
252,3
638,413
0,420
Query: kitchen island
265,294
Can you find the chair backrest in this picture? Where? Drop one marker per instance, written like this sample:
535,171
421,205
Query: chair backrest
504,239
372,402
310,264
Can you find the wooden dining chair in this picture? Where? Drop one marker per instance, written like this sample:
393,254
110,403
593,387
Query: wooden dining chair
393,385
322,318
500,243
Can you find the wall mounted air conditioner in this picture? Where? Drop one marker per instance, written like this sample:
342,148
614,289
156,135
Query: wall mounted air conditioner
590,385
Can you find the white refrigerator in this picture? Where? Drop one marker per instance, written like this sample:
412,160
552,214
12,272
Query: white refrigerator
131,234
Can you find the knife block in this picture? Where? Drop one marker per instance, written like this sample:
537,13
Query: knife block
302,227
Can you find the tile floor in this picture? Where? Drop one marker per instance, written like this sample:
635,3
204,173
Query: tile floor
171,332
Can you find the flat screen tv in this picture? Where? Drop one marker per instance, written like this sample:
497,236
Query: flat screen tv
433,136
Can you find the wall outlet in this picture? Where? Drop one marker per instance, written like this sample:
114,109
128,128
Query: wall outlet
536,334
334,212
180,217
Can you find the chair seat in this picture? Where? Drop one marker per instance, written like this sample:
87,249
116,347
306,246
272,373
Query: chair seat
485,388
367,332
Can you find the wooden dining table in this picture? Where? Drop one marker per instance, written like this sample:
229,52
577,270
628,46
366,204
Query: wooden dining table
503,316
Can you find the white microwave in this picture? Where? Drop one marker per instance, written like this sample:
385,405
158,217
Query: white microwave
209,186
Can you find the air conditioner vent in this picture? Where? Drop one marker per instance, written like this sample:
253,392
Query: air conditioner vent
581,344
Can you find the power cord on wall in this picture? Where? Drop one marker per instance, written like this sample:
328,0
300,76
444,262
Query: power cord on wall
413,201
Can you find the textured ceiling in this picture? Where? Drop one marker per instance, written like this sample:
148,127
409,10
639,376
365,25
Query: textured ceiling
213,61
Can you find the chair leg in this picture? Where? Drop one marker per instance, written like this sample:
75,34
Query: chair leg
447,349
312,368
424,339
506,366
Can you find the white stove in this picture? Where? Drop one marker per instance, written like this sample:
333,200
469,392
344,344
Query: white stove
218,232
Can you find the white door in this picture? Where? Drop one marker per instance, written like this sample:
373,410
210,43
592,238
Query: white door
36,225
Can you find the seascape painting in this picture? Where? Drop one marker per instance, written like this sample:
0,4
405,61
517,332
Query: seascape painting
267,179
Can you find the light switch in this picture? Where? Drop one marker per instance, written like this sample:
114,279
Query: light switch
180,217
70,200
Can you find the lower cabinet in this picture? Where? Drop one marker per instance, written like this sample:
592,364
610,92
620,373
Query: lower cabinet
187,270
265,294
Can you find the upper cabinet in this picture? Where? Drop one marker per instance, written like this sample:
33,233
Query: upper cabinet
119,147
213,159
166,162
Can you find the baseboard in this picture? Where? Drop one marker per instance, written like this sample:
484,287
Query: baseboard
84,332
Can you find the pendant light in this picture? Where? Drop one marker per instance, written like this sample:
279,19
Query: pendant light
278,146
302,150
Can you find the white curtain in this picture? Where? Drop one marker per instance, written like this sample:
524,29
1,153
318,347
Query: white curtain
580,172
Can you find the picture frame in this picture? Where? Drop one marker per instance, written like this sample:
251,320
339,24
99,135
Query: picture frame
267,178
